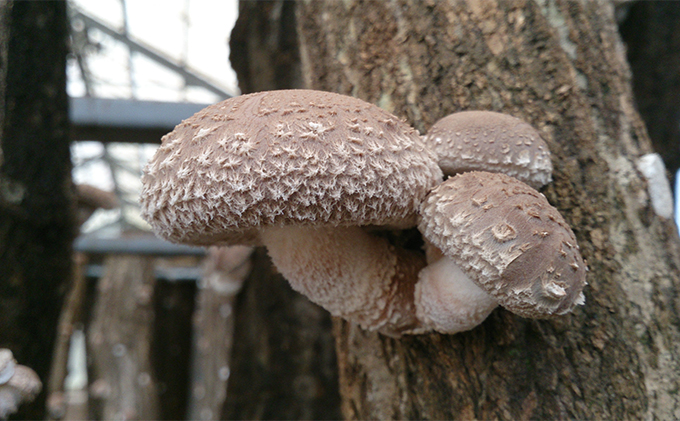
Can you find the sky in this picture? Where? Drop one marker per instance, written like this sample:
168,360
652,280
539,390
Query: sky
195,32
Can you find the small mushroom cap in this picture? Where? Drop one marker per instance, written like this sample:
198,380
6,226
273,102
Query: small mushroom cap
26,382
509,240
490,141
23,386
285,157
7,365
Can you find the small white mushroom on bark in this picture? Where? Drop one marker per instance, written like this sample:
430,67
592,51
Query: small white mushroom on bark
503,243
301,172
18,384
658,187
490,141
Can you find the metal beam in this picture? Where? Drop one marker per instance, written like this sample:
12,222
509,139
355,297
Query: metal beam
125,120
144,245
171,274
130,113
191,77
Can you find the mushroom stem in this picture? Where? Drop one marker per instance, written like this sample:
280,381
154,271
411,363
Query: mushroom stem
350,273
448,301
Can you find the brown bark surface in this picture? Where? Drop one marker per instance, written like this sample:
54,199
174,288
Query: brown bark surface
560,66
36,199
283,361
122,382
264,46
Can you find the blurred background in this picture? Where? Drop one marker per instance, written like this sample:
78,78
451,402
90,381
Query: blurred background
146,328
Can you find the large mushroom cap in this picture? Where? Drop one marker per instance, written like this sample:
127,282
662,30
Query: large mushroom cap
284,157
490,141
509,240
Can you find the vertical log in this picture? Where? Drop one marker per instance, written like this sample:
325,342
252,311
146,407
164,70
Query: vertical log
36,198
283,363
264,48
560,65
651,32
57,397
122,384
225,270
174,304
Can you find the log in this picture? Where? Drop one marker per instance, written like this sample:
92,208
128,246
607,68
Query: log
559,65
122,382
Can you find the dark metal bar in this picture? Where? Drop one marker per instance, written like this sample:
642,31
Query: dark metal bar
174,274
130,113
144,245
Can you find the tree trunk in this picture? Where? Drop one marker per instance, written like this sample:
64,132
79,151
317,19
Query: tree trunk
37,225
264,46
560,65
122,381
284,364
224,271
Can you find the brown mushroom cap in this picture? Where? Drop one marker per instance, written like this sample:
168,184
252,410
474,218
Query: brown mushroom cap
509,240
18,384
490,141
26,382
285,157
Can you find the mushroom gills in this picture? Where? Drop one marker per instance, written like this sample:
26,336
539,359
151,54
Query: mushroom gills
349,272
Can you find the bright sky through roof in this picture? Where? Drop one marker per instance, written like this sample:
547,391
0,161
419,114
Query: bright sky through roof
195,32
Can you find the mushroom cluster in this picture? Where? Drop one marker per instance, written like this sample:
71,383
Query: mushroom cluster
18,384
315,176
491,238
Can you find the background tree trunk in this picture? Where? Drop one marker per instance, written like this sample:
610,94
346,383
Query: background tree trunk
224,270
36,198
122,380
264,46
560,65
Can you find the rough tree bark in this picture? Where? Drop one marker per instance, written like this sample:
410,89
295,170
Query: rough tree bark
284,364
36,198
560,65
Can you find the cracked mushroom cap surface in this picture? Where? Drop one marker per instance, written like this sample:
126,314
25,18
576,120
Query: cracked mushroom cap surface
509,240
285,157
490,141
